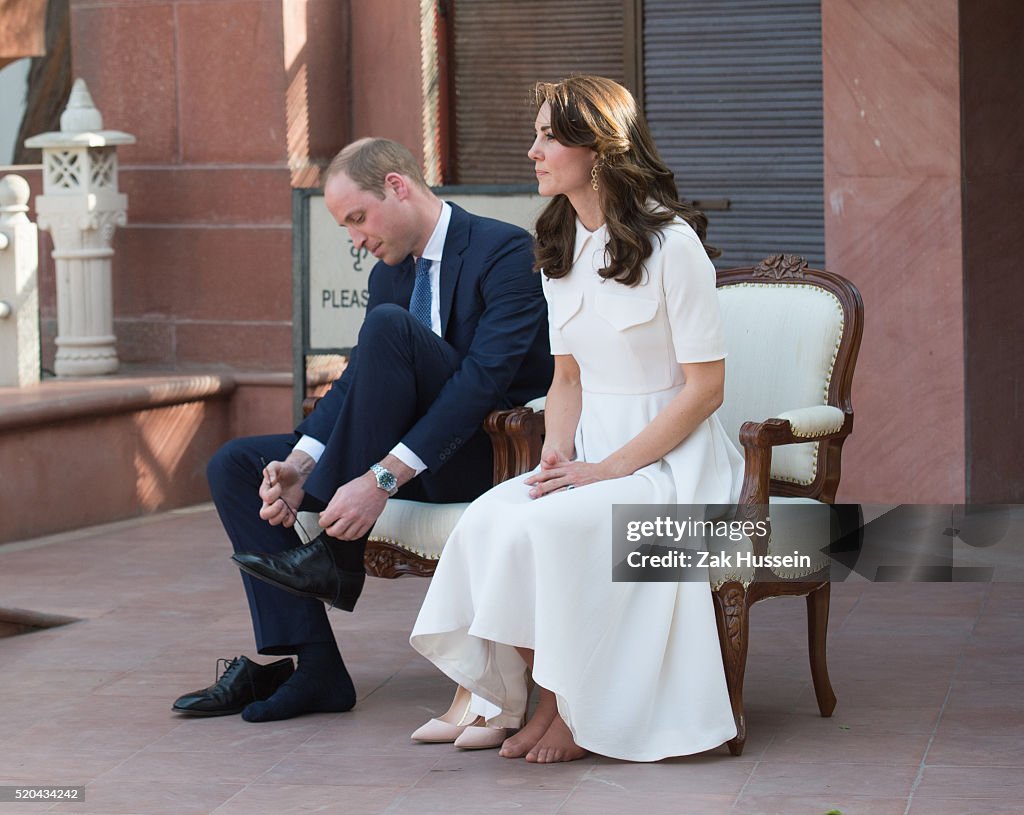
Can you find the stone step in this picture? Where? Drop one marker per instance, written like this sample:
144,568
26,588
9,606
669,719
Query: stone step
79,452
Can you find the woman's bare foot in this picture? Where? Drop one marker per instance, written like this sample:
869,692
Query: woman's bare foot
533,731
556,745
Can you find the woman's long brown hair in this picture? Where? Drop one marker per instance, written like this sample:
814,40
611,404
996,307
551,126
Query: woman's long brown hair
637,190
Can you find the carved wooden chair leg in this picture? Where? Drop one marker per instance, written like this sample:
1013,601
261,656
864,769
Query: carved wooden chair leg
731,613
817,628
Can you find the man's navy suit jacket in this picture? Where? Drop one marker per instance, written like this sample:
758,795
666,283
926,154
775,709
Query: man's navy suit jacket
492,313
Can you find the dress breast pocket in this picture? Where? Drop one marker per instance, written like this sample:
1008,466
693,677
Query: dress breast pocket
564,307
624,311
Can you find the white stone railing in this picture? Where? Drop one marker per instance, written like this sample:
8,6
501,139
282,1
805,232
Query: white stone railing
19,289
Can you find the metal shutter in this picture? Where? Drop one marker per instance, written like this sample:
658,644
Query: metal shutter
501,49
733,96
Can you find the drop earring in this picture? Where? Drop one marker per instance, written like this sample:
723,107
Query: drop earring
593,178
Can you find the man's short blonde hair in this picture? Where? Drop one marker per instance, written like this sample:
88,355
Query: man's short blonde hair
367,161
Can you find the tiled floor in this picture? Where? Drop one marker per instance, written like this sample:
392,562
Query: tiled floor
930,721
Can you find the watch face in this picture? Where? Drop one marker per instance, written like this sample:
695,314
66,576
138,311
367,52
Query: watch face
386,480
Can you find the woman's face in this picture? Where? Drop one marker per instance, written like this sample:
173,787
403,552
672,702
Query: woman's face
561,170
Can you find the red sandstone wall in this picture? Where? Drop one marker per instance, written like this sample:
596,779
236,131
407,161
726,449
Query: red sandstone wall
387,94
893,226
233,103
109,467
202,274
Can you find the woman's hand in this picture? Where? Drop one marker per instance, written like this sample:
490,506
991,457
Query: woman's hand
557,472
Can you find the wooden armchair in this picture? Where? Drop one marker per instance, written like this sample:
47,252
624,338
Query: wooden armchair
793,335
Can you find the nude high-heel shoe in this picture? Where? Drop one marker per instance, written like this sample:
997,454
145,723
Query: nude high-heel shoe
448,727
479,736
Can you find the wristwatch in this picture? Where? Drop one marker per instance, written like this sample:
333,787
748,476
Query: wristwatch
385,479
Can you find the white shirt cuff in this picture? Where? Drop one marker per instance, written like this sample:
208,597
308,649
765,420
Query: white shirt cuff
311,447
408,458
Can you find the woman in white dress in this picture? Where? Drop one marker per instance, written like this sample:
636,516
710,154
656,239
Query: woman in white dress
627,670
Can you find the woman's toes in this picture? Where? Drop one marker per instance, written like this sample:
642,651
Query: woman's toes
555,746
519,744
510,748
544,755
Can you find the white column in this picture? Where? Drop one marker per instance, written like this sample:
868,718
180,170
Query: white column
81,207
19,286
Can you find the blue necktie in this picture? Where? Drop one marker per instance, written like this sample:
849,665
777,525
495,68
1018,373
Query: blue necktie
419,305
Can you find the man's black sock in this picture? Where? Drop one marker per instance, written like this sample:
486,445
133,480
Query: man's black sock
348,555
320,684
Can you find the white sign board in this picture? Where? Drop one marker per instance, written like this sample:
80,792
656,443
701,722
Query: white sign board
338,273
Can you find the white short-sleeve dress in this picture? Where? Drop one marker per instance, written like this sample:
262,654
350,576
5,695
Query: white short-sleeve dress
636,667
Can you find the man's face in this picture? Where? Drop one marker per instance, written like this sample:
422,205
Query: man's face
384,226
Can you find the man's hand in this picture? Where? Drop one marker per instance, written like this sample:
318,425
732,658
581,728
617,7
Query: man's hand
281,490
354,509
357,505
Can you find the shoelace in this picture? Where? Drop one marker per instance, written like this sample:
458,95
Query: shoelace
295,517
228,665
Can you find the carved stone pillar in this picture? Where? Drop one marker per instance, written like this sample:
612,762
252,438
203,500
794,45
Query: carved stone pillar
19,286
81,207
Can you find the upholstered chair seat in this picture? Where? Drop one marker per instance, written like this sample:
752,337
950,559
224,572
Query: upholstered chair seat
418,529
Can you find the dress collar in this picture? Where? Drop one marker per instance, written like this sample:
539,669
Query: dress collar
584,236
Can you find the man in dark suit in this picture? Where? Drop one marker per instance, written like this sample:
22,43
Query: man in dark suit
455,327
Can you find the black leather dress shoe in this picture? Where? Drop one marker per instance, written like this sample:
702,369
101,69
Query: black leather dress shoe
308,571
242,682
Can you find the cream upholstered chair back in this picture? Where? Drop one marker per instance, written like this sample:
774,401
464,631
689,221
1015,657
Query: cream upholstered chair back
784,324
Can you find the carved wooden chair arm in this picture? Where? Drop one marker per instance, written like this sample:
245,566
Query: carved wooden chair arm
758,439
517,436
